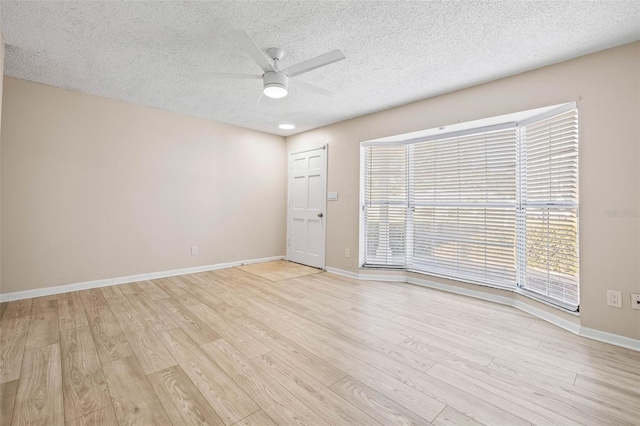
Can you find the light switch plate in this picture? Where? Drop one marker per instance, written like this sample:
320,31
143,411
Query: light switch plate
635,300
332,196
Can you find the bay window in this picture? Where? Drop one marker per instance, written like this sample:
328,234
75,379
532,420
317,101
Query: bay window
494,205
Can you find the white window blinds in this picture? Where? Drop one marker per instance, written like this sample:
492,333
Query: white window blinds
549,207
463,199
385,205
491,207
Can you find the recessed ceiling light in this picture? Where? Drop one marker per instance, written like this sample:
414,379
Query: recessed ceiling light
286,126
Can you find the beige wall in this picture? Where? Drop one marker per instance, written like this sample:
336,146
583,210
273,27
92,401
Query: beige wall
94,188
606,86
1,90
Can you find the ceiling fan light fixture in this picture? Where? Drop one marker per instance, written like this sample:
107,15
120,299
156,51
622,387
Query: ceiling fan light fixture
275,90
275,84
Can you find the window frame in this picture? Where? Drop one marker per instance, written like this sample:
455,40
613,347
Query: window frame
520,239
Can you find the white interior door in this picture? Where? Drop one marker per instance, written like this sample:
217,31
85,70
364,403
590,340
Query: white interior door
306,210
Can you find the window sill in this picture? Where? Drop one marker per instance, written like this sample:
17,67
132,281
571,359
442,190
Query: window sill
512,289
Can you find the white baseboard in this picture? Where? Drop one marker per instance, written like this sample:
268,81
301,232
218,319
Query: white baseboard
573,327
613,339
27,294
343,272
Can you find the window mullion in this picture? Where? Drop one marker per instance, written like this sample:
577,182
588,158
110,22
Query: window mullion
521,215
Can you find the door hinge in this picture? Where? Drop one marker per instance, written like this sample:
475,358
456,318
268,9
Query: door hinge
288,242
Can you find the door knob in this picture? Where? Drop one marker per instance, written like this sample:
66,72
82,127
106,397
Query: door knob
320,215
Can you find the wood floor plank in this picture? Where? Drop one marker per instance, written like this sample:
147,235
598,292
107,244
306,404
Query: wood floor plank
43,324
520,369
178,281
233,334
378,406
298,319
416,360
71,311
152,291
43,331
182,401
130,290
444,347
191,324
113,295
259,418
508,335
221,392
322,298
587,354
277,402
531,403
331,407
612,379
17,309
13,336
144,343
514,352
241,301
92,299
452,417
466,348
7,400
207,281
316,367
84,387
134,400
3,307
598,404
103,417
45,305
39,398
204,296
157,319
599,387
409,388
171,289
107,335
262,307
557,335
358,330
446,350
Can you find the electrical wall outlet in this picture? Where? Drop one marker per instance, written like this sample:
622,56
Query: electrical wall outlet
614,298
347,252
635,300
194,250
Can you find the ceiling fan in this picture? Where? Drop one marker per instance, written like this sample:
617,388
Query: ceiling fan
276,81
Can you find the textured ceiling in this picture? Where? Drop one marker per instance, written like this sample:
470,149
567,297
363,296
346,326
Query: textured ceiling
158,53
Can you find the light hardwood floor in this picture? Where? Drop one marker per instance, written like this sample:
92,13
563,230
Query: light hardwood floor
280,343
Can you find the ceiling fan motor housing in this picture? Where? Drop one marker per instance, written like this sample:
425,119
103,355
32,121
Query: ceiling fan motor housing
275,79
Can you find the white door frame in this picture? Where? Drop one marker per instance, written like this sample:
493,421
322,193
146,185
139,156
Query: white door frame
326,179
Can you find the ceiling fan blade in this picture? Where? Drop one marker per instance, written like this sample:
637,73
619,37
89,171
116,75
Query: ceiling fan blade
311,87
312,64
253,50
235,75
